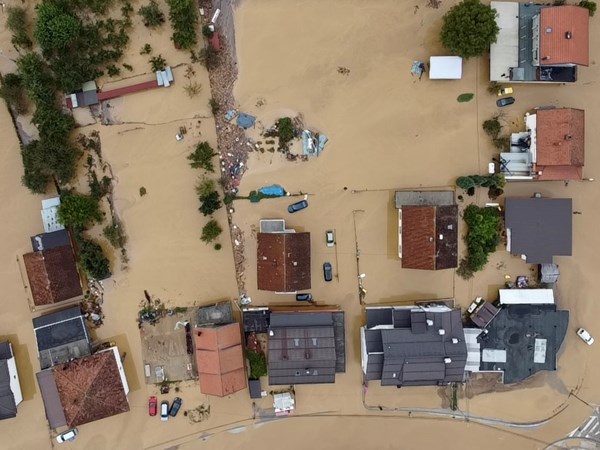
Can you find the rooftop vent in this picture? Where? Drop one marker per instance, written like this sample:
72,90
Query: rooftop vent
568,35
429,322
441,332
447,360
295,263
568,137
548,30
454,341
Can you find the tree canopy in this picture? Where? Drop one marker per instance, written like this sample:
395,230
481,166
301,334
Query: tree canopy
77,210
469,28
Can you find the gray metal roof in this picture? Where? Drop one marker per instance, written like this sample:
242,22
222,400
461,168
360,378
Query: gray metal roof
5,350
8,407
46,241
61,336
256,320
540,228
52,404
217,314
515,330
424,198
415,353
255,388
305,348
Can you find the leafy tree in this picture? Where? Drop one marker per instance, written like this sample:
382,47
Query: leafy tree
13,91
492,127
56,27
151,14
146,49
589,5
92,259
114,234
201,157
469,28
483,236
77,210
205,187
210,203
16,22
211,231
184,19
258,364
285,130
157,63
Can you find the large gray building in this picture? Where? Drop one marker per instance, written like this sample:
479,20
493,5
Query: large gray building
413,346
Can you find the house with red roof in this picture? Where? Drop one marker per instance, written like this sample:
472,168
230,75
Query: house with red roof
552,148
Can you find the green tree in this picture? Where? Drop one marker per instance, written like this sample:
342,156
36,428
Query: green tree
258,364
184,20
469,28
492,127
201,157
92,259
211,231
13,91
151,14
589,5
210,203
114,234
77,210
285,131
205,187
157,63
56,27
483,236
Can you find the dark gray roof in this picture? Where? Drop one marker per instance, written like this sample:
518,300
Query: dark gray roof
303,347
424,198
484,314
8,407
540,228
52,404
256,320
411,352
87,98
5,350
255,388
61,336
46,241
515,330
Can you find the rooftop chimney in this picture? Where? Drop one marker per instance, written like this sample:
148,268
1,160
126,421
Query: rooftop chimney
568,35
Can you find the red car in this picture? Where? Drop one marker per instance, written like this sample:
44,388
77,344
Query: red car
152,404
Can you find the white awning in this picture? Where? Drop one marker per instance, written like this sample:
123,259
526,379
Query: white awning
445,68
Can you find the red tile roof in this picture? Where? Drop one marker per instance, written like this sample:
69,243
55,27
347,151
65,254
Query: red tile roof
220,359
555,47
90,388
52,275
283,262
560,137
119,92
430,237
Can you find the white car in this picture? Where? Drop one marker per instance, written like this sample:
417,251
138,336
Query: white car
585,336
164,410
475,304
67,436
330,238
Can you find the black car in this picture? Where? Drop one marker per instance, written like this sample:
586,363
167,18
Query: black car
505,101
327,271
307,297
298,206
175,407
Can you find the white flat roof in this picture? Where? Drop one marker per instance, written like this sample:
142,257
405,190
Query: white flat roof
445,68
473,349
50,215
493,355
526,297
504,53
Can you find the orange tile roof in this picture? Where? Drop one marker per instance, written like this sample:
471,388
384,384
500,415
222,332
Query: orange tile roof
555,47
283,262
418,237
560,137
220,359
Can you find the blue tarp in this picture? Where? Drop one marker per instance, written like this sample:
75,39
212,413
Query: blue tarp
272,191
246,120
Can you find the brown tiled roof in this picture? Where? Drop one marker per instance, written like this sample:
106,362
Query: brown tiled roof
559,173
220,359
53,275
555,47
283,262
422,227
560,137
90,388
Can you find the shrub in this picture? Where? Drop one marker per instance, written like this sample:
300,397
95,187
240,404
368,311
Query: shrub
151,14
207,31
469,28
258,364
209,203
214,106
77,210
492,127
502,143
146,49
209,57
483,236
114,234
143,191
463,98
13,91
92,259
211,231
113,71
229,198
192,89
201,157
205,187
589,5
16,22
285,130
128,67
157,63
218,246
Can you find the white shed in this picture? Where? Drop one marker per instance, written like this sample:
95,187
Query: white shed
445,68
